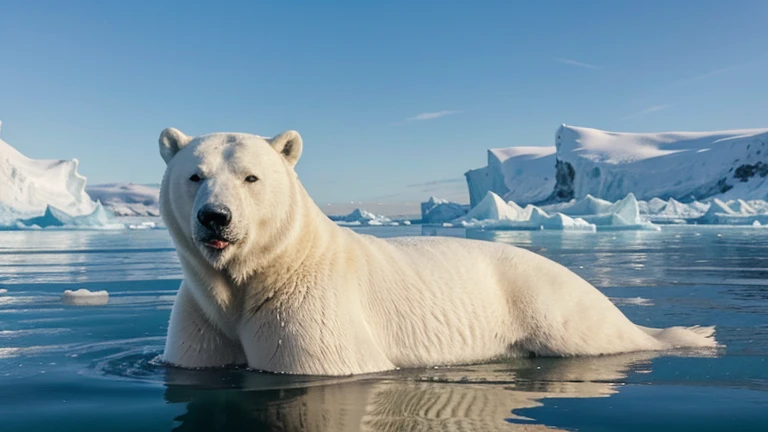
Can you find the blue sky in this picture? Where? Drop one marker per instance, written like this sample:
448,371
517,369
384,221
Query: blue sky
394,100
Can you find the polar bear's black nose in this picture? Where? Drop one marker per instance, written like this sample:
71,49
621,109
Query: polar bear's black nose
214,216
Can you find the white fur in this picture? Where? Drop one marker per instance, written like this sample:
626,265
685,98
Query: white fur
297,294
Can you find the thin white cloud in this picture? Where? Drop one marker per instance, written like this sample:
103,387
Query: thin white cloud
648,111
437,182
431,115
577,63
706,75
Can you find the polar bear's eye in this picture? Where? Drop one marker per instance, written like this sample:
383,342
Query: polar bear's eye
195,178
251,178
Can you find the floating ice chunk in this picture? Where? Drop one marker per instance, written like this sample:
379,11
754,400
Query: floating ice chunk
3,291
621,215
631,301
436,210
736,212
83,297
588,205
493,207
493,213
143,225
362,217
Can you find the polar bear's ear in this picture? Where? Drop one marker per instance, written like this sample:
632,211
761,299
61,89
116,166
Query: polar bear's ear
171,141
289,145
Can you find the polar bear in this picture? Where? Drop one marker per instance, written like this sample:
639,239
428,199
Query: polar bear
272,283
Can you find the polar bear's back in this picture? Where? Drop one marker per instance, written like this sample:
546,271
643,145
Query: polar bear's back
539,304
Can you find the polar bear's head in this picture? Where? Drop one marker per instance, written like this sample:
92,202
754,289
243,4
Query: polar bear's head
227,195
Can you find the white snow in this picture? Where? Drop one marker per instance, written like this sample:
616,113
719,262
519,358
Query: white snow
609,165
38,192
667,165
438,211
127,199
83,297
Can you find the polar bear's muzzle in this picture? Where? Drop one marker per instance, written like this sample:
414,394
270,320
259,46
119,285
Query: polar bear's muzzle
214,219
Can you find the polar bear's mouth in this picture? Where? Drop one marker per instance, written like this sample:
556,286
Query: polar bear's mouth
214,242
217,244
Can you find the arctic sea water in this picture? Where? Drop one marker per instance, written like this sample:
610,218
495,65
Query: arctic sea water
69,368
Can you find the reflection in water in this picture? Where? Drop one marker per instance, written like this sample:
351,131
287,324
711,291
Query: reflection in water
472,398
49,256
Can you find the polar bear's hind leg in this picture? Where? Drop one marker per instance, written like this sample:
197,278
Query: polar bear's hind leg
684,337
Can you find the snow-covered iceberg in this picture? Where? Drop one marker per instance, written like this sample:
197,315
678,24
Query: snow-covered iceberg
672,211
362,217
589,214
43,193
53,217
492,212
521,174
713,211
734,212
127,199
437,211
685,166
624,214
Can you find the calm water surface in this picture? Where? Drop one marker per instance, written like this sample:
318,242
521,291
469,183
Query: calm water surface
67,368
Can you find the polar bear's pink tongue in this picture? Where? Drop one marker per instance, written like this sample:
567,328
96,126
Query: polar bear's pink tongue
217,244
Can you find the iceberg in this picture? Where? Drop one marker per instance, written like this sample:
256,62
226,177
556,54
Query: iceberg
711,212
127,199
520,174
589,214
492,212
362,217
43,193
671,211
605,215
438,211
663,165
54,217
685,166
734,212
